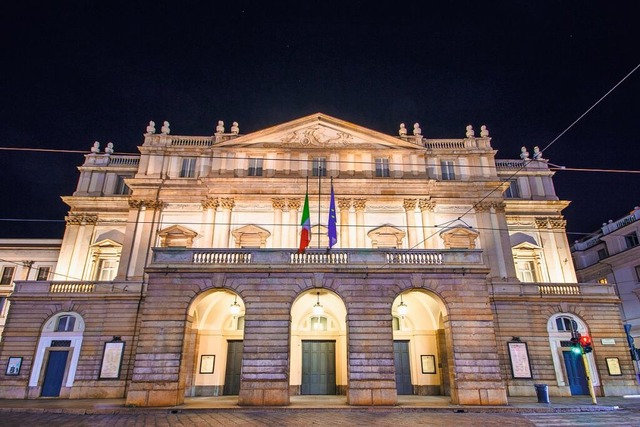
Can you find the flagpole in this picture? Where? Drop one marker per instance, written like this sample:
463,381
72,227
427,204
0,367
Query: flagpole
319,179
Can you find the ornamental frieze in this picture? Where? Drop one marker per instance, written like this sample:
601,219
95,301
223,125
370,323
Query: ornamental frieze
278,203
426,205
551,222
344,204
359,204
149,204
210,203
81,218
227,203
317,136
294,204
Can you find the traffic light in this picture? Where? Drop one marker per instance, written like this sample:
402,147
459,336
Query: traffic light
585,343
576,346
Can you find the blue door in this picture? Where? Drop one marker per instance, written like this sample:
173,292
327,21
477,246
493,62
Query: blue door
54,373
576,373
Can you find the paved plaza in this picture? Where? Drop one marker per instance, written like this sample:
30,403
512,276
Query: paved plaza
325,411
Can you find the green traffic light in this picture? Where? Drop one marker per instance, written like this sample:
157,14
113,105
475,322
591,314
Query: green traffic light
577,350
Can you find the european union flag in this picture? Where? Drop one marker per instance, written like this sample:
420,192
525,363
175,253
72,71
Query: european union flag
333,233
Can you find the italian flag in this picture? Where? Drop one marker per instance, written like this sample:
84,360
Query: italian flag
305,236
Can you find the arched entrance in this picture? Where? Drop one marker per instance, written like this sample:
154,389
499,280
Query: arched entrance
569,367
213,344
421,356
56,359
318,344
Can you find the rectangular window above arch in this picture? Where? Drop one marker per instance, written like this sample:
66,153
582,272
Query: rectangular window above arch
447,170
188,169
255,166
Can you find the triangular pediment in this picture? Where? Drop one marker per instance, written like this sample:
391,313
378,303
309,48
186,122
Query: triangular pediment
318,131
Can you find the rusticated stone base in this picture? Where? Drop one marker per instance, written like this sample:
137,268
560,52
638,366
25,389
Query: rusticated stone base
154,394
264,397
482,396
372,397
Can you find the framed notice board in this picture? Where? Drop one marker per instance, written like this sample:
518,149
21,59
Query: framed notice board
519,358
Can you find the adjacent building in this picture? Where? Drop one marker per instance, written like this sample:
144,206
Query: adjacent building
180,274
611,255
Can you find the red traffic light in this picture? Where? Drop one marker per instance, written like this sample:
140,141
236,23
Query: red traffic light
585,340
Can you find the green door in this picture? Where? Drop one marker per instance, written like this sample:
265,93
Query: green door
318,367
403,367
233,369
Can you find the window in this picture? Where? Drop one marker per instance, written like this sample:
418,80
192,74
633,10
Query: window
513,192
43,273
396,323
240,323
107,268
526,271
65,324
602,253
319,166
188,169
638,273
567,324
121,188
3,302
603,281
382,167
255,166
631,240
319,323
448,173
7,275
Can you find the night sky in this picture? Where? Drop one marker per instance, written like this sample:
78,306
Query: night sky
78,71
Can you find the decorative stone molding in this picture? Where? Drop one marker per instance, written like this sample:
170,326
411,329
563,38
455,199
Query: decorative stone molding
81,218
227,203
294,204
359,204
410,204
344,204
278,203
211,203
426,205
136,204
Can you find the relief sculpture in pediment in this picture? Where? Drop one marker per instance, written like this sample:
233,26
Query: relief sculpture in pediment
317,136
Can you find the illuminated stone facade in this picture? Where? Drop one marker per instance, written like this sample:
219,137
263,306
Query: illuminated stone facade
183,276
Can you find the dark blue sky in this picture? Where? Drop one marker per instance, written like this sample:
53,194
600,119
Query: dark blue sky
78,71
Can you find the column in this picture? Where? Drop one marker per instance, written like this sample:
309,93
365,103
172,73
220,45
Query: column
278,205
223,223
344,205
410,209
210,206
426,209
294,221
142,237
359,205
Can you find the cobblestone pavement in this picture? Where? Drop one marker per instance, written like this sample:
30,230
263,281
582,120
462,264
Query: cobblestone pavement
325,418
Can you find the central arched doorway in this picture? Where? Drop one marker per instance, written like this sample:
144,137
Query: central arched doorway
318,344
421,355
213,344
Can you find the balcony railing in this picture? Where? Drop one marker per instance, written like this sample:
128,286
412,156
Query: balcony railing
79,287
338,257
